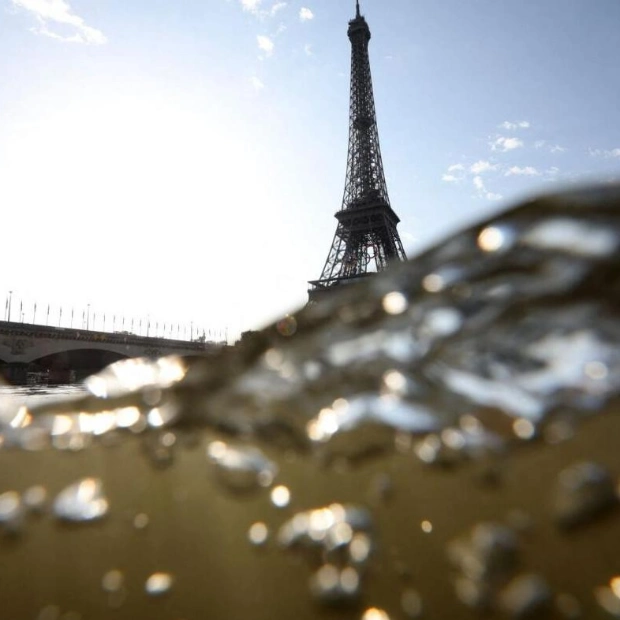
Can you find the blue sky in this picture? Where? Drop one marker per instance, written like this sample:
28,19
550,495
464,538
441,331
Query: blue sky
184,160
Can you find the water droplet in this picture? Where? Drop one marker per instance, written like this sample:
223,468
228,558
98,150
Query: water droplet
360,548
493,238
82,501
168,440
274,359
158,584
395,382
433,283
241,469
427,527
34,498
524,429
127,417
280,496
411,603
258,534
112,581
334,586
141,521
583,492
11,512
395,303
287,326
374,613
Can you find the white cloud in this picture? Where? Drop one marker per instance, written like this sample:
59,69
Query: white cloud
60,12
482,166
483,191
258,84
277,7
265,44
251,6
555,148
455,174
517,125
305,14
604,153
308,49
506,144
525,171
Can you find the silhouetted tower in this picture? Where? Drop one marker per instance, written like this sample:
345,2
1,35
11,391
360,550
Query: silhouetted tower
366,239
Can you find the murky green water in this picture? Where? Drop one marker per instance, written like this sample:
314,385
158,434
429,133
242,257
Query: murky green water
441,442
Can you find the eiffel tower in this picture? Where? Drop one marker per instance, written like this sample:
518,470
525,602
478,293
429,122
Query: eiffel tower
366,239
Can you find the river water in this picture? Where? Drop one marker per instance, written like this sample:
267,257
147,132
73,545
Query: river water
32,395
440,442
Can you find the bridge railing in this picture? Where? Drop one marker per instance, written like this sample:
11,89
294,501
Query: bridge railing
45,331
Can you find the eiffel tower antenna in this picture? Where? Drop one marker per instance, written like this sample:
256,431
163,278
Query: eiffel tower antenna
366,239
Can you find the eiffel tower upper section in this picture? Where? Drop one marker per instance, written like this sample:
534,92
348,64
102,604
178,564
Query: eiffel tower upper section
366,238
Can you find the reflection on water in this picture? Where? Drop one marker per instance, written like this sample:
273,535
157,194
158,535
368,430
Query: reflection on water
438,442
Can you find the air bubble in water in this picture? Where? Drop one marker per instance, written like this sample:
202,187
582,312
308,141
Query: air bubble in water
395,303
258,534
411,603
34,498
524,429
335,586
241,468
158,584
583,491
11,511
82,501
525,596
374,613
280,496
433,283
494,238
427,527
112,581
141,521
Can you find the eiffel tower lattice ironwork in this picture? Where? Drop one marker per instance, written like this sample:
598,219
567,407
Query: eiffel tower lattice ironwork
366,239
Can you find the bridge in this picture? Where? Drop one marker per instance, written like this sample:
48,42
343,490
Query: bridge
65,355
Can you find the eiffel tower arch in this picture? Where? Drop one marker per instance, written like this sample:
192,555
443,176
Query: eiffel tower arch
366,239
